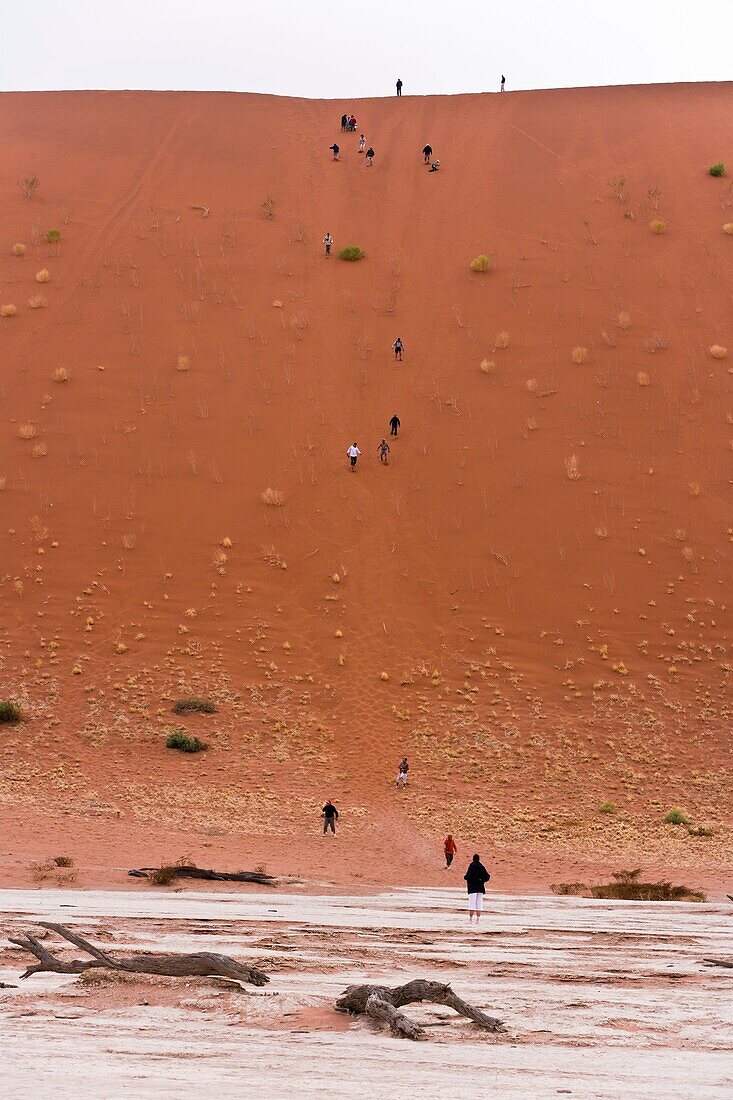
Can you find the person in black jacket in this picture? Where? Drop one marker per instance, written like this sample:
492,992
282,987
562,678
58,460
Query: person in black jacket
399,86
427,153
394,425
330,813
476,876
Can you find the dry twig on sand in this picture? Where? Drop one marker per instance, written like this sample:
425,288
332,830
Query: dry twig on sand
205,210
200,964
382,1004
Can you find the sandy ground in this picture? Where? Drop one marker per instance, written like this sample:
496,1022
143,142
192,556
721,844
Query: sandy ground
531,600
600,999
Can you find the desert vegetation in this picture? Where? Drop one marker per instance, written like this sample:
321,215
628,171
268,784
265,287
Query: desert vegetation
193,705
29,185
351,253
8,310
626,886
274,498
9,712
716,169
481,263
657,226
181,741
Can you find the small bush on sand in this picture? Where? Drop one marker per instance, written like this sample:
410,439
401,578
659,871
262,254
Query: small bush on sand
501,340
42,276
606,808
677,817
718,351
40,450
193,705
579,355
19,250
351,252
38,301
63,861
488,366
163,876
60,375
568,889
181,741
273,497
26,431
268,206
728,228
657,226
53,236
481,263
626,887
716,169
9,712
700,830
28,185
624,321
8,311
182,363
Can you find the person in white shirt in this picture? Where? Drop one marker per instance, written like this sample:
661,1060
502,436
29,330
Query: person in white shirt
362,143
328,241
353,452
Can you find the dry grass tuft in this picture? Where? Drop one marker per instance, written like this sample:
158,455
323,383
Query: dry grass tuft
624,321
657,226
501,340
38,301
273,497
488,366
601,532
688,553
481,263
40,450
3,483
43,276
572,467
531,424
8,311
718,351
19,250
183,363
579,355
531,385
61,375
26,431
642,378
626,887
227,543
728,228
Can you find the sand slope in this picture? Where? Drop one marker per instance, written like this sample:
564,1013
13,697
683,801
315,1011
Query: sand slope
543,569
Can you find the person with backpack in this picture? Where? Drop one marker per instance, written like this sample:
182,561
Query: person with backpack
398,348
449,850
399,86
402,771
383,449
476,877
353,452
427,153
335,150
329,813
394,425
369,156
328,243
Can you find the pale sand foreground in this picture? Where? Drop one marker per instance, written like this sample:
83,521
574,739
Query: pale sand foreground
601,999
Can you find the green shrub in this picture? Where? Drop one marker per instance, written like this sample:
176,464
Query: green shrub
163,876
716,170
193,705
627,887
677,817
53,236
701,830
181,741
606,808
481,263
9,712
351,252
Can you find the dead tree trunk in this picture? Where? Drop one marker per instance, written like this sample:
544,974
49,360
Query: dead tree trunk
728,963
382,1004
200,964
188,871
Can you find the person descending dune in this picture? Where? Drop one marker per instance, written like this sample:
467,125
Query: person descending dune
449,850
435,166
353,452
397,347
394,425
362,144
328,243
369,156
383,449
427,153
335,150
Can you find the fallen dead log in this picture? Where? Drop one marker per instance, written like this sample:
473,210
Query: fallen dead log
728,963
382,1004
189,871
200,964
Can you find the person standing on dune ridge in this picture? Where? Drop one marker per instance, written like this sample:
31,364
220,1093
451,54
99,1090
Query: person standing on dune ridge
476,876
394,425
450,849
503,82
399,86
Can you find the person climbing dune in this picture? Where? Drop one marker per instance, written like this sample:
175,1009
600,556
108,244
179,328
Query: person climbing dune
427,153
383,449
394,425
353,452
335,150
369,156
398,348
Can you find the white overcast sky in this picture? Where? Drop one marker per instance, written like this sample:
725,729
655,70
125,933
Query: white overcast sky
336,49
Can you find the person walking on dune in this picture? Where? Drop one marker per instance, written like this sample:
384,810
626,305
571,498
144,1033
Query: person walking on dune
329,813
353,452
394,425
427,153
435,166
369,157
335,150
503,82
383,451
398,347
476,876
402,771
327,243
344,120
399,86
449,850
362,144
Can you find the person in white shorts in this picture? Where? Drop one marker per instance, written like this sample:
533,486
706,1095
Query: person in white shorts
476,877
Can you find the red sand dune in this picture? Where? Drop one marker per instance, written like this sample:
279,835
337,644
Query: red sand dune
533,596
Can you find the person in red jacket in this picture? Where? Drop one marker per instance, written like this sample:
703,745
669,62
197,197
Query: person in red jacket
450,849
